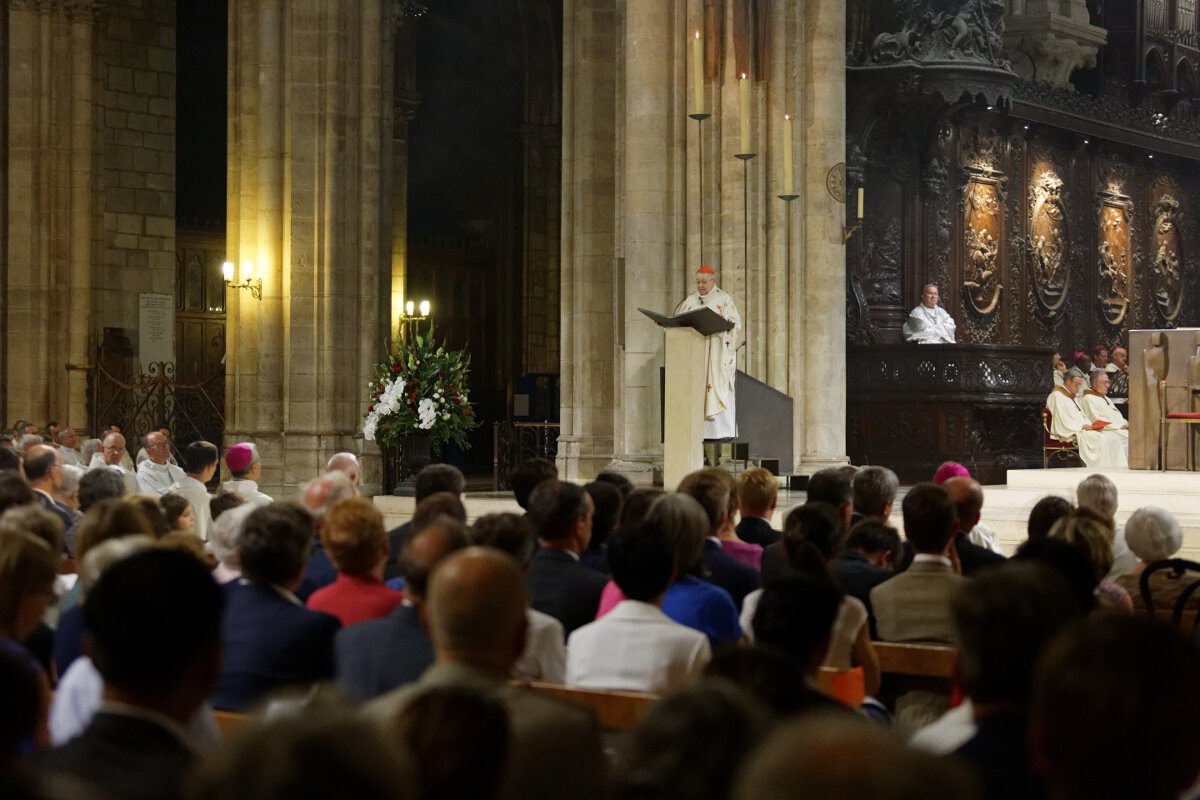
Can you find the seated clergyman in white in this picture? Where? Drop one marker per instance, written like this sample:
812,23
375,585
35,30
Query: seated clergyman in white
929,323
1098,445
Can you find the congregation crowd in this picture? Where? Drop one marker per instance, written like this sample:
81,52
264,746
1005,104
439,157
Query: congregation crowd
136,607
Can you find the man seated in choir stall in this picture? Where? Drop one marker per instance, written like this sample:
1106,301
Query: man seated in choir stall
928,323
1098,406
1098,445
720,355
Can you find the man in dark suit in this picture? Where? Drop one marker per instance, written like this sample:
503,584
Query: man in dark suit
476,612
559,584
374,657
271,640
758,493
830,486
868,559
967,495
713,489
431,480
43,470
154,622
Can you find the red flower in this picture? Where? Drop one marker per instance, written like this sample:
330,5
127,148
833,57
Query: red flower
397,368
370,408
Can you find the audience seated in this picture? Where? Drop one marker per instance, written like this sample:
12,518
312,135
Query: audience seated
691,745
874,490
178,512
545,655
23,690
867,559
271,640
1045,512
636,647
1115,705
354,537
245,469
67,493
156,474
154,621
830,486
225,541
476,612
690,600
914,606
94,486
379,655
843,759
319,495
1004,620
623,484
606,500
14,491
200,461
758,494
28,567
1099,493
525,476
967,495
713,489
1153,534
319,755
43,471
115,457
346,464
559,584
637,505
458,741
1091,533
433,479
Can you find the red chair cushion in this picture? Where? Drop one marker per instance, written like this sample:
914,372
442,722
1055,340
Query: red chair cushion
1183,415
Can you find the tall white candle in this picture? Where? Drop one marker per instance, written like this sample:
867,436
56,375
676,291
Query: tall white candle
861,193
789,185
744,97
698,72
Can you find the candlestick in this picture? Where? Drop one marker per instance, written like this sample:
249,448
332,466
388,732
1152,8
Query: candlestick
698,71
861,192
744,96
789,187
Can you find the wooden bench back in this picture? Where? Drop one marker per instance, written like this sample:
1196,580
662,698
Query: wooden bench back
921,660
615,711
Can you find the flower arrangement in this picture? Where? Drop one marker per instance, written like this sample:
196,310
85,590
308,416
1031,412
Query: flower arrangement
422,387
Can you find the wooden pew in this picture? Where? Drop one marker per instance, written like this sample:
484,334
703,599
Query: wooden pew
615,711
230,722
919,660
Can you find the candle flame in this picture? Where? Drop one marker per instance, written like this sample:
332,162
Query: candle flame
787,116
743,76
697,34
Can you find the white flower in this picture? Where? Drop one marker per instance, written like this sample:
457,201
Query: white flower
427,413
370,425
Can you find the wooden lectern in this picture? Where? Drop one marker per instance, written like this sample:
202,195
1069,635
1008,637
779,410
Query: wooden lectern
686,381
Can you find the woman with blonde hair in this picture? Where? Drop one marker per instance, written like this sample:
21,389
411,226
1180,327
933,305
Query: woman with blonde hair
1091,532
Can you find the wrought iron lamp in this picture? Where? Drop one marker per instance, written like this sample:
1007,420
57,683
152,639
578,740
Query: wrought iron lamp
413,314
248,280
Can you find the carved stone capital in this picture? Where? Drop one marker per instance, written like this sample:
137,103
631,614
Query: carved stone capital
1047,45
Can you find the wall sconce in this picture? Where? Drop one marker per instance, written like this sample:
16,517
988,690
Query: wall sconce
413,314
253,284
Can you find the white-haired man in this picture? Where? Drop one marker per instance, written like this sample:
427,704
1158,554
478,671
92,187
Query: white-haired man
157,474
1097,447
346,463
720,350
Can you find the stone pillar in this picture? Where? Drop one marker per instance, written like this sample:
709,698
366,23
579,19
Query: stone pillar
588,285
406,101
653,221
308,206
50,206
819,355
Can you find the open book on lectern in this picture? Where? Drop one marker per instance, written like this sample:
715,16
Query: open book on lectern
704,321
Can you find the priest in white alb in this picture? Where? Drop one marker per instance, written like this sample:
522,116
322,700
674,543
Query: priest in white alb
929,323
1097,447
1098,408
720,352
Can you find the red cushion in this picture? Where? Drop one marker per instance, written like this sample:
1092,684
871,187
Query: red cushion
1183,415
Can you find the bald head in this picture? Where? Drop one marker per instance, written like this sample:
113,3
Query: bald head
41,461
326,490
477,606
967,495
156,447
345,463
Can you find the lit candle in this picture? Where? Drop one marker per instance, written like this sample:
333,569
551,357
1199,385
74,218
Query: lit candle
698,71
744,96
789,186
861,192
227,271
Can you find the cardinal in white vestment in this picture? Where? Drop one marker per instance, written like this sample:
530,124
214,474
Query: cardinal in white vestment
720,351
929,323
1097,448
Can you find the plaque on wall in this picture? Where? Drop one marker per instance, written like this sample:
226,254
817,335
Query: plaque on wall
982,234
1168,250
1115,237
1048,241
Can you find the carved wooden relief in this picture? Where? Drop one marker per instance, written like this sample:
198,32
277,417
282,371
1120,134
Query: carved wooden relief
1049,241
1168,251
982,233
1115,239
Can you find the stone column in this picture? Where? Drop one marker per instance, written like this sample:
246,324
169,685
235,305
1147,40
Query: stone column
588,334
819,355
307,206
49,220
653,219
406,101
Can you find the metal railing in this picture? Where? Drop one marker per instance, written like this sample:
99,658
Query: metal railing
516,441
